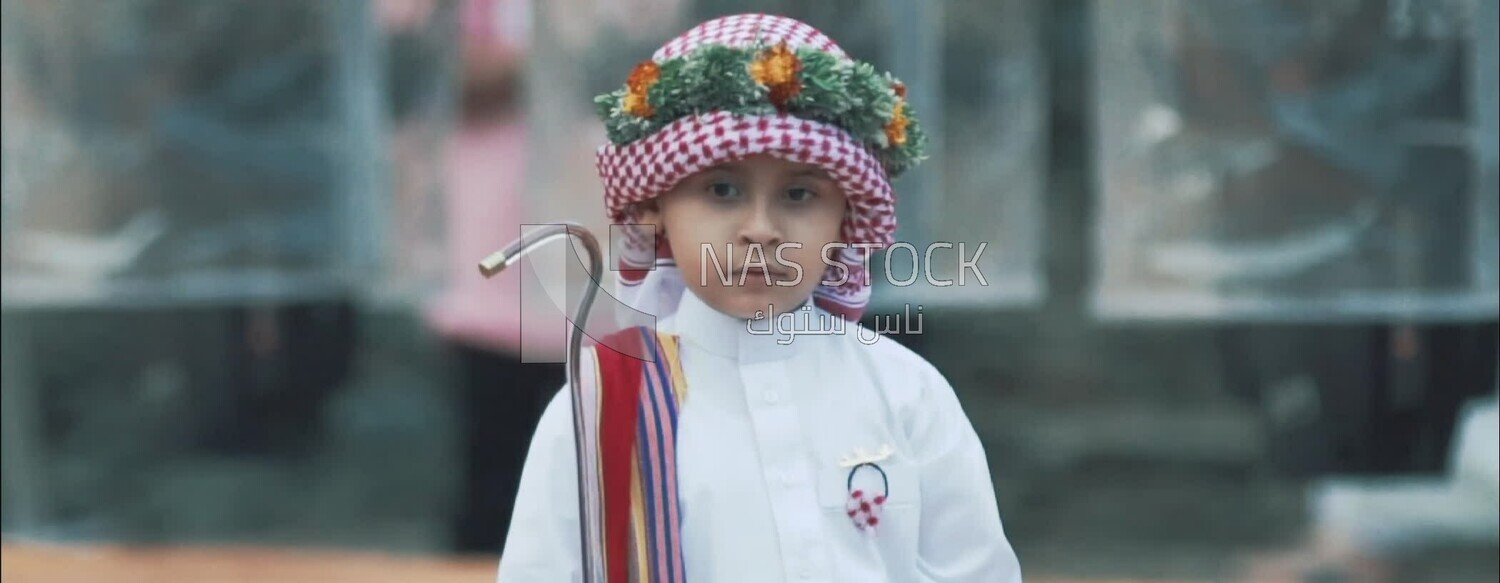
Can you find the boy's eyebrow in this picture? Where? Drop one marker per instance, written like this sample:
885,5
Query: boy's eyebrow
734,167
813,172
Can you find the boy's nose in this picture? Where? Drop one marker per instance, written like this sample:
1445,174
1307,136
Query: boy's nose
759,226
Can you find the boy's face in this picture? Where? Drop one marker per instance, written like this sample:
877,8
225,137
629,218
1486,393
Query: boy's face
748,212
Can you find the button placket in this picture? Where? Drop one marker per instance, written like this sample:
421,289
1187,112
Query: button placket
778,436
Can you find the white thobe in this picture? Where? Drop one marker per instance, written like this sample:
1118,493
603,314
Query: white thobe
765,424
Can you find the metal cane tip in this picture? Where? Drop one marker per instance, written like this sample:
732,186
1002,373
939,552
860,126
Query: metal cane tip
493,264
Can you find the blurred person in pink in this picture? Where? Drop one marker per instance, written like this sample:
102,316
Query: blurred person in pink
479,320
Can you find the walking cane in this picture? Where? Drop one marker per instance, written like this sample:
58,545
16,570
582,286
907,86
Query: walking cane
593,564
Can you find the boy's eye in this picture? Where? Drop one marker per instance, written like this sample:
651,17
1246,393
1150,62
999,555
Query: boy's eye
723,190
800,194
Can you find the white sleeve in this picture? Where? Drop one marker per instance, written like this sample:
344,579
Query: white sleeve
543,544
961,537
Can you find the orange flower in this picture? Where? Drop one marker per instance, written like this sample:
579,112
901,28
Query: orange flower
900,89
641,79
895,130
636,104
777,68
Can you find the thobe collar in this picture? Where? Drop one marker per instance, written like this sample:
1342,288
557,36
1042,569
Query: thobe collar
746,340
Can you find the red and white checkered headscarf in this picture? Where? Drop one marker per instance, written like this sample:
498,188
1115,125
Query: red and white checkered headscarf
650,166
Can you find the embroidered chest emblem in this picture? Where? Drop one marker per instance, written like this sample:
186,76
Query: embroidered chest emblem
868,487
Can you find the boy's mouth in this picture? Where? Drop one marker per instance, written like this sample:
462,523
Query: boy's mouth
775,274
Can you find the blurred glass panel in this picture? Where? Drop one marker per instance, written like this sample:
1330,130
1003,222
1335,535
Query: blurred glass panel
1484,100
194,196
982,189
159,152
417,52
975,77
1268,159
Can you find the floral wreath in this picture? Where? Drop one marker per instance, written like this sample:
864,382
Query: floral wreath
763,80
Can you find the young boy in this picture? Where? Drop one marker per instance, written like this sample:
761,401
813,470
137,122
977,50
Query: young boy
739,449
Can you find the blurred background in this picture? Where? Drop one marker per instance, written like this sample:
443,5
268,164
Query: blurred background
1238,318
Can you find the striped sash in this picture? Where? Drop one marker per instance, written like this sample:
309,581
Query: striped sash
631,408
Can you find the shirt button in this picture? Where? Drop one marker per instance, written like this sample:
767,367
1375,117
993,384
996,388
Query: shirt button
772,397
788,478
